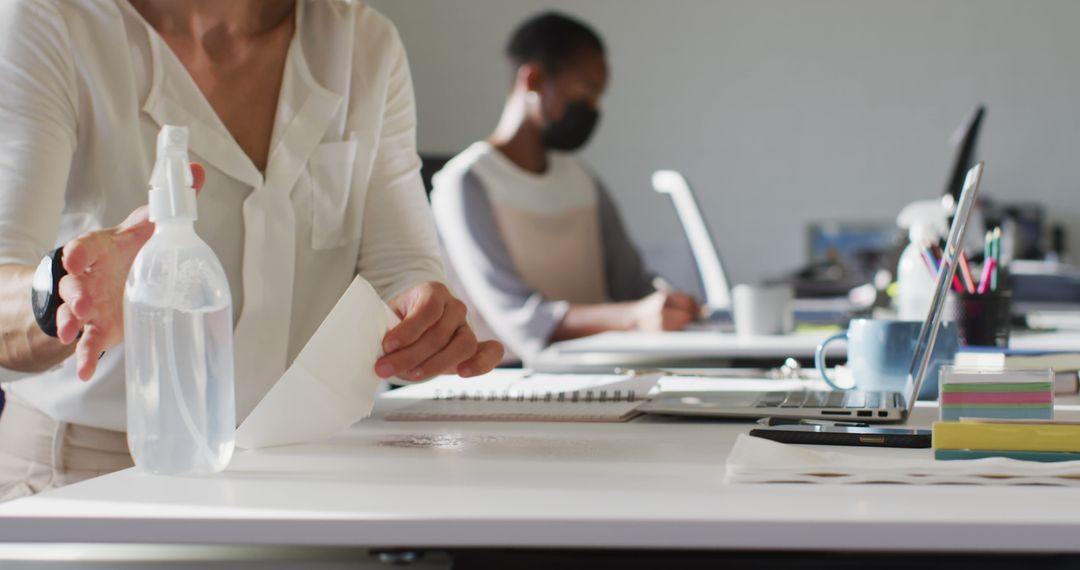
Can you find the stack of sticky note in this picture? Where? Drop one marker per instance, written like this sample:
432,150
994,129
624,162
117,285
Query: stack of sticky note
1011,394
1065,364
1016,439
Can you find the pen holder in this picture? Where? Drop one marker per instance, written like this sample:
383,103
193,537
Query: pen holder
985,320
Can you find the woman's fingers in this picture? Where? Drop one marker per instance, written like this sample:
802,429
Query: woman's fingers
133,232
97,264
421,309
435,339
460,347
83,252
92,344
67,325
198,176
74,290
487,356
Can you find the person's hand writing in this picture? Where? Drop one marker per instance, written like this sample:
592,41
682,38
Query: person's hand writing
665,311
433,338
93,290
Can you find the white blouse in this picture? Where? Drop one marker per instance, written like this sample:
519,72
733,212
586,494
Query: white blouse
85,88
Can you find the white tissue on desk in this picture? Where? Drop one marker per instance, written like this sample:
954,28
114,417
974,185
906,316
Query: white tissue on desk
332,383
758,460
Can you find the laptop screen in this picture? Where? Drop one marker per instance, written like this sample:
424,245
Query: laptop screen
924,346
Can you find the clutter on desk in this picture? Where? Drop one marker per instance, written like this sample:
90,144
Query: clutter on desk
990,358
1010,394
1065,364
757,460
791,369
926,222
1030,440
880,353
983,310
332,383
985,319
1045,281
844,255
1062,317
763,309
985,307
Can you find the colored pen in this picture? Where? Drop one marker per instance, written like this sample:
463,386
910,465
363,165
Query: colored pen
956,284
931,263
984,280
995,253
940,257
965,271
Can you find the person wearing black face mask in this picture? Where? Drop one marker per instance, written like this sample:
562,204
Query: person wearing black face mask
533,241
573,130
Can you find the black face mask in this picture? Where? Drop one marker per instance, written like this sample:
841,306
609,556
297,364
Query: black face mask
573,130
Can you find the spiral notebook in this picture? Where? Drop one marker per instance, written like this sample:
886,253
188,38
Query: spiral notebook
520,396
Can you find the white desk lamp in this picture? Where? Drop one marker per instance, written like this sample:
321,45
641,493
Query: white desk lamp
717,291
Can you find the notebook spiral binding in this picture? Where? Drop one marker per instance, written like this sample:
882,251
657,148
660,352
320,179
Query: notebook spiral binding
586,396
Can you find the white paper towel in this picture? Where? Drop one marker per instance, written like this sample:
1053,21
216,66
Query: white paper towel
332,383
757,460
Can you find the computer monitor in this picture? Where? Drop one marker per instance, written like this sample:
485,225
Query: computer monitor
965,140
858,249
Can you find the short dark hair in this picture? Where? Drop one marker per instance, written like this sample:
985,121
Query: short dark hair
551,40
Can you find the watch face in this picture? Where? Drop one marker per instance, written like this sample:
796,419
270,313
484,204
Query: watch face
42,286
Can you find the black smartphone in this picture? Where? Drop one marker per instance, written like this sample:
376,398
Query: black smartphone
846,435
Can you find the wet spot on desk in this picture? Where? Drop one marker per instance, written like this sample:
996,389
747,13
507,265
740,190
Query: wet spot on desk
424,441
495,443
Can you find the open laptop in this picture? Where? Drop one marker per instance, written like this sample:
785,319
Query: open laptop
842,404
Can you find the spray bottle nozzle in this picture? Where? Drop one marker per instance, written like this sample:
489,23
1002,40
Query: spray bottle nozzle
925,220
171,193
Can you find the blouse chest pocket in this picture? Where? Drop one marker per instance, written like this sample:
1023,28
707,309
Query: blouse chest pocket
338,189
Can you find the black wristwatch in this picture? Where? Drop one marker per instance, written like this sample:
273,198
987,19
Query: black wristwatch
45,296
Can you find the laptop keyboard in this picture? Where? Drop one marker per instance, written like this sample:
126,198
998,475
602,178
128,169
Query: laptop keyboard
828,399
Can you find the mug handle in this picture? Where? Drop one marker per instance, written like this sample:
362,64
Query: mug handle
819,359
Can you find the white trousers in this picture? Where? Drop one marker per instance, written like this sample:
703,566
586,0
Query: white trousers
39,453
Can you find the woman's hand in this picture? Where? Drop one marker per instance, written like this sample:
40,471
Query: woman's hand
93,290
665,311
433,338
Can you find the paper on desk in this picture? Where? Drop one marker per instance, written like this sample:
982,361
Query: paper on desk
332,383
758,460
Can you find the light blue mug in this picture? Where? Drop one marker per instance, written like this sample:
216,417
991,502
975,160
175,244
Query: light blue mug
880,352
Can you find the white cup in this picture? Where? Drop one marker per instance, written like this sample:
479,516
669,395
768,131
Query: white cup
763,309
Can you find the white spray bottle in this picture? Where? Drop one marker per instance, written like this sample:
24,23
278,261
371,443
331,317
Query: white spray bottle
178,335
926,222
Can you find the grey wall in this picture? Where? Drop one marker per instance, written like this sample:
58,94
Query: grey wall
781,112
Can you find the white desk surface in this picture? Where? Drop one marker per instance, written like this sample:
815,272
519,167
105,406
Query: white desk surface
628,349
646,484
646,349
696,343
